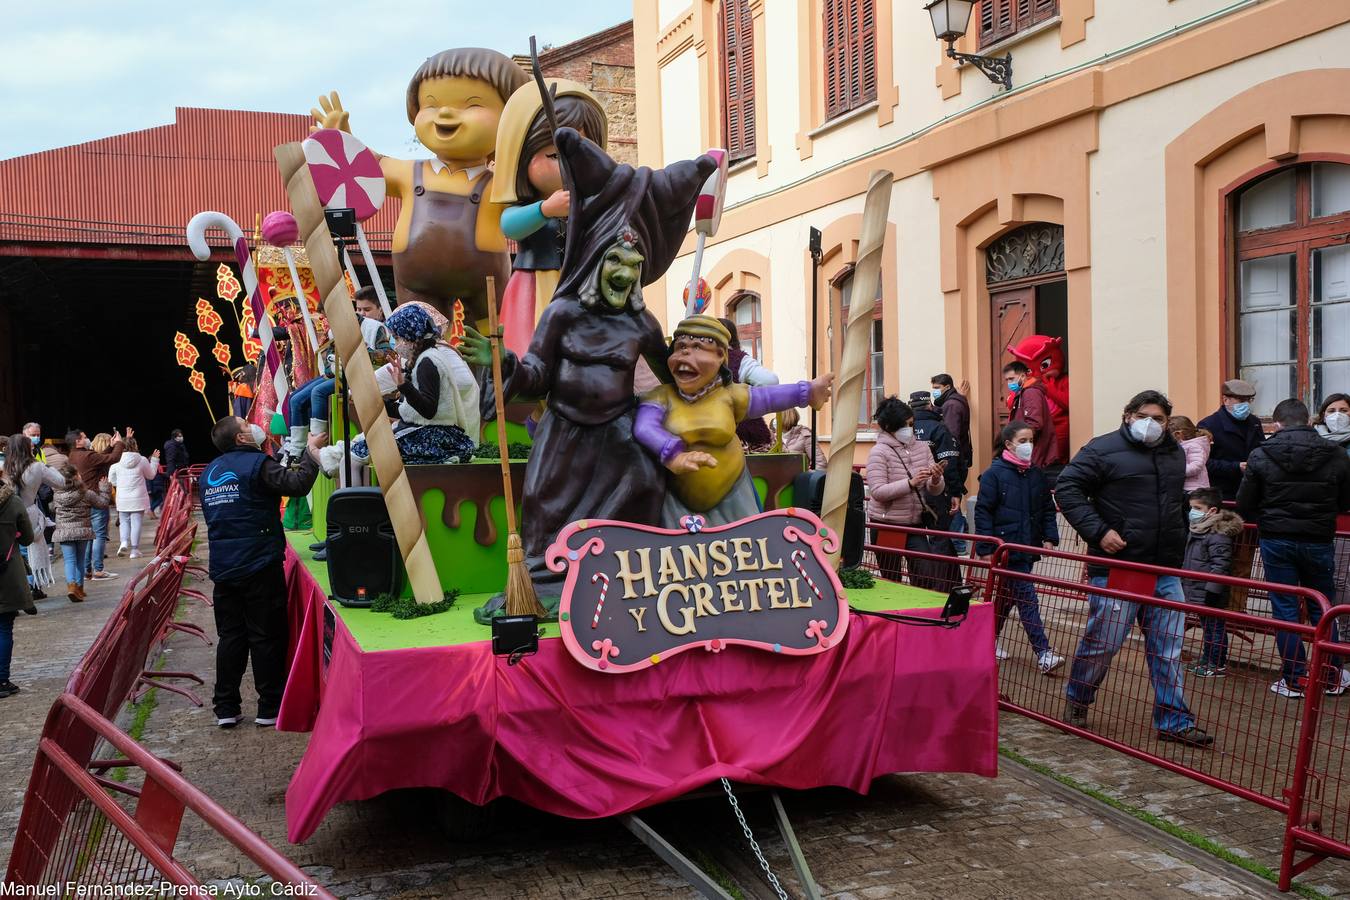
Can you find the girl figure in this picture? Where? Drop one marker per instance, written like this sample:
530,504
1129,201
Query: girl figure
531,186
1333,420
129,477
74,531
438,413
1196,443
904,486
28,477
691,425
1015,506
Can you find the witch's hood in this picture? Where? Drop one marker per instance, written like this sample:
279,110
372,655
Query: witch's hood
609,198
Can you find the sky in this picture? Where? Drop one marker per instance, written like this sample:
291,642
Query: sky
77,70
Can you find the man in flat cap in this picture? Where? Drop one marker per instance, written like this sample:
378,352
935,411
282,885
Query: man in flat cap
1236,434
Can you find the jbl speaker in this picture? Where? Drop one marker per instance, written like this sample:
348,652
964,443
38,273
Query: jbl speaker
808,490
363,557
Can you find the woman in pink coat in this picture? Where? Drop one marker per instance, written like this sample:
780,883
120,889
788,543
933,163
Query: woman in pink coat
902,480
1196,443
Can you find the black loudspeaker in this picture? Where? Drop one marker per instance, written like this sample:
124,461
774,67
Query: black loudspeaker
363,557
808,490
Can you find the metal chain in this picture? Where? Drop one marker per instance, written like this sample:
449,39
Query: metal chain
754,845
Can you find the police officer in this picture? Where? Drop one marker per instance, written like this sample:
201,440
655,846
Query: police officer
240,493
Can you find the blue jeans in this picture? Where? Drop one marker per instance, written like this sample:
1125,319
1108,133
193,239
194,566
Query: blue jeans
959,524
6,643
1109,624
310,401
1023,593
76,555
99,519
1308,564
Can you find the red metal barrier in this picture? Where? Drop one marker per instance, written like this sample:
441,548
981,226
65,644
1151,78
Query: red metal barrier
923,557
77,834
1319,808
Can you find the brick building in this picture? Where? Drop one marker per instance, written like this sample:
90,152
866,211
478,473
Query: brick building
603,62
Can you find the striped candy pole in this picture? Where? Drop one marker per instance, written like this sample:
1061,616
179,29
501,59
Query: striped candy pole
797,557
196,236
604,589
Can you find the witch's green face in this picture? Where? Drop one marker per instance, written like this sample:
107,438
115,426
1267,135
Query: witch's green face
619,271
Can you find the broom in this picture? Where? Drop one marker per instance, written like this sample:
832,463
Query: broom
520,596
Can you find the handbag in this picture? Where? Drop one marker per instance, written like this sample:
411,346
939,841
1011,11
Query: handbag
928,517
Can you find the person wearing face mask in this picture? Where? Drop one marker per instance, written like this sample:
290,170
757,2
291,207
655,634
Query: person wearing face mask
1123,494
33,431
1014,505
241,490
1209,549
955,408
1029,402
1236,434
904,487
1333,420
1294,487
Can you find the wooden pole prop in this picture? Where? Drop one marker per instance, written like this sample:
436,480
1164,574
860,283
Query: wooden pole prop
337,306
520,597
857,348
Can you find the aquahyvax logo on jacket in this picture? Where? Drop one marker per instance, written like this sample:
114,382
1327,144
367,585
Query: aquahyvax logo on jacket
222,485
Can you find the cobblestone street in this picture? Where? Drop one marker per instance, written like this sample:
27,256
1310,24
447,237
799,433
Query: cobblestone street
914,836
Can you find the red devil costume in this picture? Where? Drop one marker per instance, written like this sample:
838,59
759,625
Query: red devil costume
1044,356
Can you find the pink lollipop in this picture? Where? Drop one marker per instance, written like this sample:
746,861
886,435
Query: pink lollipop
707,216
347,174
280,228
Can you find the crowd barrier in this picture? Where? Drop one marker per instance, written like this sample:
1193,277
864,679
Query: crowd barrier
1283,753
82,831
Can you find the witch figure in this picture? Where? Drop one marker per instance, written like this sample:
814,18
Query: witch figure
625,228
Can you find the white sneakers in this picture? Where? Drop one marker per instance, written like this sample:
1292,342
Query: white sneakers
1000,652
1342,687
1049,661
134,554
227,721
1293,693
122,551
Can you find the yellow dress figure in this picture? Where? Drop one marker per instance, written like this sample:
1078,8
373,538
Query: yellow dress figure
448,236
691,425
529,185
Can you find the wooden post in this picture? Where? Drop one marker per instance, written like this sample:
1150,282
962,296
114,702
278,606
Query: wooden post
857,350
337,306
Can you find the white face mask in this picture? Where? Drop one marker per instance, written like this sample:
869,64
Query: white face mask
1337,421
1146,431
254,436
1023,451
905,435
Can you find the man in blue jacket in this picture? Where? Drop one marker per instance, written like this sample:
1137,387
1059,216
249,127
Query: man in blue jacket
1236,434
241,491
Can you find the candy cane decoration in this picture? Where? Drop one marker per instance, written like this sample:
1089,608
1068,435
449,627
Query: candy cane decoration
196,237
797,557
604,589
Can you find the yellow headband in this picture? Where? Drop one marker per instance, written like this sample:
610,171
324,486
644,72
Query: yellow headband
704,327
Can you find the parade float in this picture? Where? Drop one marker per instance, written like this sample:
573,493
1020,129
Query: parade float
694,627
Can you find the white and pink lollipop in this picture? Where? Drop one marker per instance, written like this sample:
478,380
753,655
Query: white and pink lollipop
347,174
280,229
707,216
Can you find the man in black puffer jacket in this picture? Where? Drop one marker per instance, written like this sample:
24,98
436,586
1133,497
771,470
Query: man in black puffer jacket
1124,493
1293,487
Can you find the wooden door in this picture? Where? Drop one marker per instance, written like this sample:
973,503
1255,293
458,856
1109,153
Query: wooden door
1014,318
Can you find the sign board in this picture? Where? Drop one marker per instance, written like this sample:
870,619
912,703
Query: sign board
636,595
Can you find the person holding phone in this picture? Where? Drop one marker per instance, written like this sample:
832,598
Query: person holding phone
905,486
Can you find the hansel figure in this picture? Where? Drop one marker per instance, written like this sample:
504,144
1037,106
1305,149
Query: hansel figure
691,425
625,228
531,188
448,237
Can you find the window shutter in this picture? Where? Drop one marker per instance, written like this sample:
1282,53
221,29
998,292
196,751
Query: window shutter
865,27
998,19
836,58
1042,10
745,30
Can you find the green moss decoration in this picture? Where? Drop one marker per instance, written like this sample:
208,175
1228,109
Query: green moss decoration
857,578
490,451
408,608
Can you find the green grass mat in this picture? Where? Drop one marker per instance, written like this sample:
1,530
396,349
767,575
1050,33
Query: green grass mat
381,631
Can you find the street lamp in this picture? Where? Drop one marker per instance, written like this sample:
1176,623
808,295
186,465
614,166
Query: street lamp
951,18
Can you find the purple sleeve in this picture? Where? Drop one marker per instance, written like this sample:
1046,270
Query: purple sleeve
649,428
777,397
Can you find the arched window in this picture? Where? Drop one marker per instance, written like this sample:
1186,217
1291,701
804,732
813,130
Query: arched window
743,310
1292,283
738,79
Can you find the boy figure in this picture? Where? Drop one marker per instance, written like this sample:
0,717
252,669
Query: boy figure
1209,549
448,237
241,491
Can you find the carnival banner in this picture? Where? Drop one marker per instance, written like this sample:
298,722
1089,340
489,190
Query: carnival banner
636,595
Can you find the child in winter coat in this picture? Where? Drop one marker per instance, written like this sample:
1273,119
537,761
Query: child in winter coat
1195,442
1209,549
74,531
130,476
1014,505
